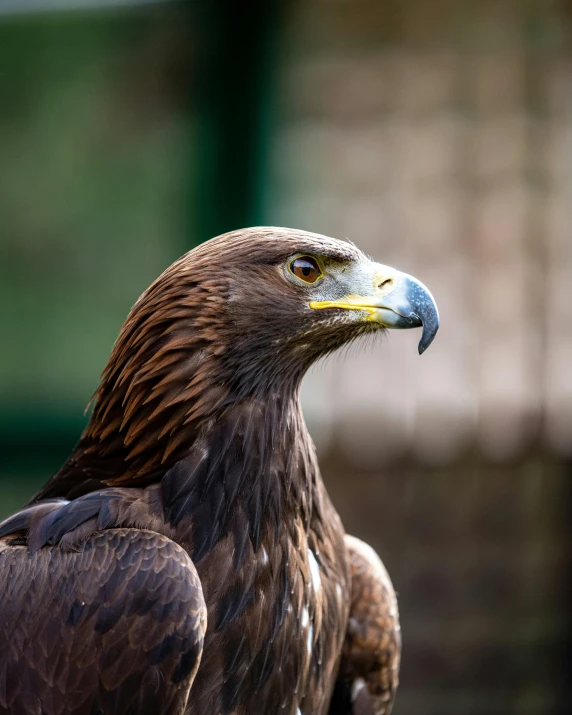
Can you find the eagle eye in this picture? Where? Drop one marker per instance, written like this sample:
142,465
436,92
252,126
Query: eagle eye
306,269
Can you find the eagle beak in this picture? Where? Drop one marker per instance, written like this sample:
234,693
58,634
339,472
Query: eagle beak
397,300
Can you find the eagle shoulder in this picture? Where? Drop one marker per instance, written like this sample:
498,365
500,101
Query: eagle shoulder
117,625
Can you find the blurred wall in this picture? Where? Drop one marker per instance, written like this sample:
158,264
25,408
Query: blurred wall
438,136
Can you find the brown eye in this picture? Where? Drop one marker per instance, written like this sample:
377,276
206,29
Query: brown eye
306,269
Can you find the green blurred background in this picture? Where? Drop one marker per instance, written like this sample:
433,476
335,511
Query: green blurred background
438,137
116,133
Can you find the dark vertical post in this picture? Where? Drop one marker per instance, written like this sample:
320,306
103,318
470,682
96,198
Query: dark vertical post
238,57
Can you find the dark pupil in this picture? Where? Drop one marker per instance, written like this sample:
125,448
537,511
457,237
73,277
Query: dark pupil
306,269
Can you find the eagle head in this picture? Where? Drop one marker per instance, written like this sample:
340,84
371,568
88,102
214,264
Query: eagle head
279,299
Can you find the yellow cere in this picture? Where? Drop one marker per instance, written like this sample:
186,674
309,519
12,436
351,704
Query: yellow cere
349,302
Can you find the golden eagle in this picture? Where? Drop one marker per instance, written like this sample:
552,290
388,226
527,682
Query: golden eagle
186,558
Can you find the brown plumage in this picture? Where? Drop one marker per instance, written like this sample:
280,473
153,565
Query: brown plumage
186,558
369,670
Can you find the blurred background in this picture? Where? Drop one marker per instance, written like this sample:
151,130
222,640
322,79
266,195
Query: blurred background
437,135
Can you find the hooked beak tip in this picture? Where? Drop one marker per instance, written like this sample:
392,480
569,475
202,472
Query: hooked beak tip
414,306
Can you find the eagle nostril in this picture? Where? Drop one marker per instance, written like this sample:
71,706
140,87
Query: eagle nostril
386,283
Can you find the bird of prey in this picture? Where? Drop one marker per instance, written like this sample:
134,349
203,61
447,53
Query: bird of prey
186,558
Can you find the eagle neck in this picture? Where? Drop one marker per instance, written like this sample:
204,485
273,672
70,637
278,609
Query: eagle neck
251,470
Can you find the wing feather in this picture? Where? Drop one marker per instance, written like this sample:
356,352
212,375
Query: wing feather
369,669
114,627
